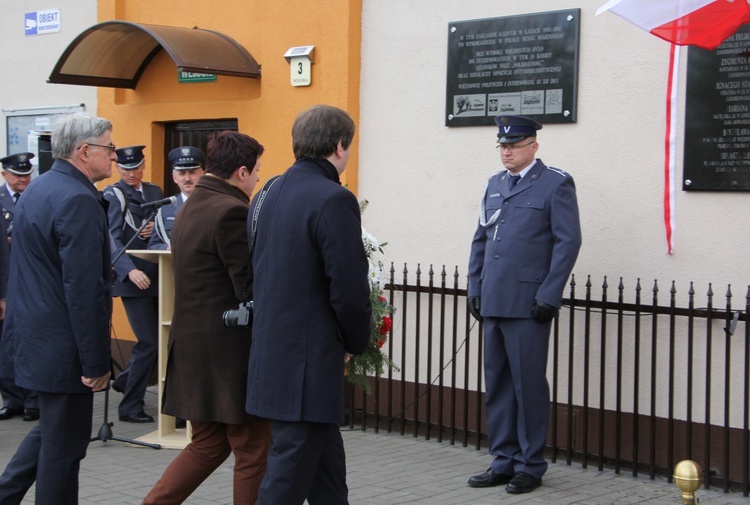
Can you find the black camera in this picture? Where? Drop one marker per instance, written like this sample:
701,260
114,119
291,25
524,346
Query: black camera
241,317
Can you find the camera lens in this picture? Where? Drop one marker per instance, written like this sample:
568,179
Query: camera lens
230,318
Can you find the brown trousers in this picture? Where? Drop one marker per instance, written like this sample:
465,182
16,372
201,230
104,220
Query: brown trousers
210,447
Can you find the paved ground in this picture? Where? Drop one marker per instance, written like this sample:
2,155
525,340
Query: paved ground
383,469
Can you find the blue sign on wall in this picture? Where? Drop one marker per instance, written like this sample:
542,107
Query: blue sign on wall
30,23
41,22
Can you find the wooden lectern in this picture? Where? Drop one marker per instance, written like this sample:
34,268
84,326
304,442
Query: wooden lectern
166,434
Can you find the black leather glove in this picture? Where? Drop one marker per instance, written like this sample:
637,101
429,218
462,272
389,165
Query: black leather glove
542,313
474,307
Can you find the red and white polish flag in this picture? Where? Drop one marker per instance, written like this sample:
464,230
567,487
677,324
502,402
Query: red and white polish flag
702,23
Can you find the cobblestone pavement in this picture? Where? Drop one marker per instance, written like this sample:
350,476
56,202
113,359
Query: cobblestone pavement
382,469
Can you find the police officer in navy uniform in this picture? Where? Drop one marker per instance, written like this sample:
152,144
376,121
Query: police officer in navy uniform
522,255
136,282
187,167
17,170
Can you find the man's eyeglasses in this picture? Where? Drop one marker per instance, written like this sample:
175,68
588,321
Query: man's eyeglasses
111,147
513,147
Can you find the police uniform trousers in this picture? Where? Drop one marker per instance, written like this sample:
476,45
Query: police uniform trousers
143,316
210,446
306,461
51,452
517,393
14,396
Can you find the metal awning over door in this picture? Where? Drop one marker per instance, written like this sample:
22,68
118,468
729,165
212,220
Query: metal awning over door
115,54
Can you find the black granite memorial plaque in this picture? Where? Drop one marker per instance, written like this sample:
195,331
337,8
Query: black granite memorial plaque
717,116
525,64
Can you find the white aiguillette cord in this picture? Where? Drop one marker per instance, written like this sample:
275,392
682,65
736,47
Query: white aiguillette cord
482,212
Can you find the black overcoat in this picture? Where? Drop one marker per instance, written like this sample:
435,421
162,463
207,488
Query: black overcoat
311,293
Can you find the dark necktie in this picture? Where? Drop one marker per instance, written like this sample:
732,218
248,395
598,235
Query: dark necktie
15,197
514,180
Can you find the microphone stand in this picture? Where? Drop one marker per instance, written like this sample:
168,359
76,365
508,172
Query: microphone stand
105,430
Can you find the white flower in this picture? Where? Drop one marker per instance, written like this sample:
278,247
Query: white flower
375,274
371,243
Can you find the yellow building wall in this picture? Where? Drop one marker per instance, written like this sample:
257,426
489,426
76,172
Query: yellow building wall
265,108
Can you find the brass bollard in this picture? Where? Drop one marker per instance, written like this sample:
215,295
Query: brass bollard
688,476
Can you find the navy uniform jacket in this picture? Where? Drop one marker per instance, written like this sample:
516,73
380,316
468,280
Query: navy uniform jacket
163,224
529,252
4,261
8,207
122,232
311,296
58,330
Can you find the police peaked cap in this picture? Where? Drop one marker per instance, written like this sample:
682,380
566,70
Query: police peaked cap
130,158
186,158
19,163
515,128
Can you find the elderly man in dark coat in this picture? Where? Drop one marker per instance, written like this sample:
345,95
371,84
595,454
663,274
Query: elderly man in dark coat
207,363
312,307
56,335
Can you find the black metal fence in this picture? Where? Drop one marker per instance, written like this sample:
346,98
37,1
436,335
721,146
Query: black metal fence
640,379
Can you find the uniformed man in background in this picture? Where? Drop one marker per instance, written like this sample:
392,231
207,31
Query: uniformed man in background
187,167
522,255
136,282
17,170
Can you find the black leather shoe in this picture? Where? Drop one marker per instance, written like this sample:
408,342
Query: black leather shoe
31,415
489,478
140,417
523,483
7,413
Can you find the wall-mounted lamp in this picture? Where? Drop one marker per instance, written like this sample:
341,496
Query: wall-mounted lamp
300,59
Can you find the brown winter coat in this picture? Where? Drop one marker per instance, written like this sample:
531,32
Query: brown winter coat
207,362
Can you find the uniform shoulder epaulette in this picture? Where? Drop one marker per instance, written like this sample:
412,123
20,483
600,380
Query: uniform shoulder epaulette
149,184
558,171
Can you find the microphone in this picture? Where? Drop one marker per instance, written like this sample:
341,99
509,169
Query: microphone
159,203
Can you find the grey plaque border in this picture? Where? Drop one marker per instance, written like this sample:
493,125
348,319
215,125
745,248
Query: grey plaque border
524,64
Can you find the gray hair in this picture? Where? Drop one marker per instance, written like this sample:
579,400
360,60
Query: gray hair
318,130
72,130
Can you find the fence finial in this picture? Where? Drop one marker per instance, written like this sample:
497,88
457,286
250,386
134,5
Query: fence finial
688,477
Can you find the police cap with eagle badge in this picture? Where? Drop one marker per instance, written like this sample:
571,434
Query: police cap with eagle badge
19,163
186,158
515,128
130,158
